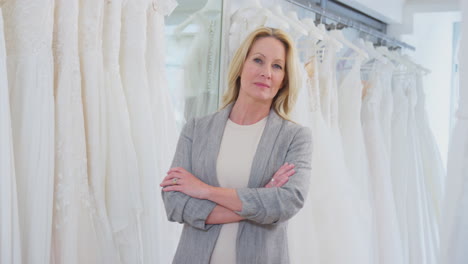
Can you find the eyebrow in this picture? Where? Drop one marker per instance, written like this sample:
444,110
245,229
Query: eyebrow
277,60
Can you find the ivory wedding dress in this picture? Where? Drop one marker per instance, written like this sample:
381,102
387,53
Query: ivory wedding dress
388,233
454,228
328,229
73,235
10,243
123,199
201,64
91,17
28,26
167,233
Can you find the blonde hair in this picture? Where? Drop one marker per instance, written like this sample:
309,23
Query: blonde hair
285,99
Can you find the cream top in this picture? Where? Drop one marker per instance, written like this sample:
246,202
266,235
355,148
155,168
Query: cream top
234,163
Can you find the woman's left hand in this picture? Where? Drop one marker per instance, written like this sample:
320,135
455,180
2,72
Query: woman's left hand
180,180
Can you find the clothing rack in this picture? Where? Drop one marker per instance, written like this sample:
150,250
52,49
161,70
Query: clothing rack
347,22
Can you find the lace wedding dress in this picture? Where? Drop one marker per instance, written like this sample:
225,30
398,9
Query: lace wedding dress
91,17
28,26
73,235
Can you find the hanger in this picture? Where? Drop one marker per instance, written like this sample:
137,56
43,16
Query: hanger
369,48
312,29
327,37
338,34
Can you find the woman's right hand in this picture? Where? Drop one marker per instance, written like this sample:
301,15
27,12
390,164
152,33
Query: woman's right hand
281,177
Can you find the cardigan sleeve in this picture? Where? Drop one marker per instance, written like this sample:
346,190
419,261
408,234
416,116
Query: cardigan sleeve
179,206
272,205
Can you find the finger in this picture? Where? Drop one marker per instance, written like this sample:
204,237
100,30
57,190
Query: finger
282,182
284,168
280,170
170,182
176,169
173,188
290,173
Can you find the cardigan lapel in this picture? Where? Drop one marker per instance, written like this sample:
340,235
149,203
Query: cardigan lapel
213,145
264,150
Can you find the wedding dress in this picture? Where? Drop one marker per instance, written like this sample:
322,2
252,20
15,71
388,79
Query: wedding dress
405,175
454,228
388,233
349,102
422,211
201,66
386,105
73,236
91,17
136,86
123,199
10,243
328,229
432,170
28,26
166,132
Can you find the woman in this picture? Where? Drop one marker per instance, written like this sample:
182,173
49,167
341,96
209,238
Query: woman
230,183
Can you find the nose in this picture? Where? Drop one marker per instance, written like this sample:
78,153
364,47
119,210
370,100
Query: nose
266,72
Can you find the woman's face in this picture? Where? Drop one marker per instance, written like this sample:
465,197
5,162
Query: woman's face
263,71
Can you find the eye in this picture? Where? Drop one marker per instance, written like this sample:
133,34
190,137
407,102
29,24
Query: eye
257,60
277,66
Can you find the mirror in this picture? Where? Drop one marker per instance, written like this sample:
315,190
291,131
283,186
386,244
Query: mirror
193,34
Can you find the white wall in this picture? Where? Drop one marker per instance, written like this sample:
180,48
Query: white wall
432,36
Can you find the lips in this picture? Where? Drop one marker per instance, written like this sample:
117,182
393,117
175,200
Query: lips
263,85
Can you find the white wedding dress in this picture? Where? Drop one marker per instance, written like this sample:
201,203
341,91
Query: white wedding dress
454,228
28,26
166,132
389,245
422,225
91,17
10,239
73,235
386,105
432,172
329,229
123,199
349,107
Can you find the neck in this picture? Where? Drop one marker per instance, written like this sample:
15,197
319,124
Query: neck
244,113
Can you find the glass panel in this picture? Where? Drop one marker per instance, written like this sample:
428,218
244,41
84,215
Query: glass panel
193,33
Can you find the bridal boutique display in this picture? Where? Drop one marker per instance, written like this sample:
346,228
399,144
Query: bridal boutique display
335,225
83,117
88,130
373,196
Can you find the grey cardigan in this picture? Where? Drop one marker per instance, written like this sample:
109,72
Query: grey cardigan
262,238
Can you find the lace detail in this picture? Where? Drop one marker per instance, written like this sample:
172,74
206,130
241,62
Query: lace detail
24,37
